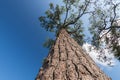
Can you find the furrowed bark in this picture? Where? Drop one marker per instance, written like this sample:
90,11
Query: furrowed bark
67,61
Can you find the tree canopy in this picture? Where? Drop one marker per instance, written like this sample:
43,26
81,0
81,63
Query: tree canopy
104,23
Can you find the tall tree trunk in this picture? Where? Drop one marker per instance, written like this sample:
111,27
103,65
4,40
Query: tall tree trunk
67,61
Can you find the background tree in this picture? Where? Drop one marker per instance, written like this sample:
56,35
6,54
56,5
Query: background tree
105,26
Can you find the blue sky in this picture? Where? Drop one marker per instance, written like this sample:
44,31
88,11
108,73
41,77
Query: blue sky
21,39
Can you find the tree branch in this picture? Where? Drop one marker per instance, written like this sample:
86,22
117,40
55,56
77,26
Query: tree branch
67,10
111,20
71,32
79,14
105,34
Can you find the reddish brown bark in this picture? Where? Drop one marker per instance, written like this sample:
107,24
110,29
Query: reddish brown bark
67,61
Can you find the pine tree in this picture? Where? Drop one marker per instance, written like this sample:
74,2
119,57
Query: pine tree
66,59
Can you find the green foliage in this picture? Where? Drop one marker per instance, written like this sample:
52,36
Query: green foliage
52,19
102,17
77,32
51,6
48,43
58,17
104,26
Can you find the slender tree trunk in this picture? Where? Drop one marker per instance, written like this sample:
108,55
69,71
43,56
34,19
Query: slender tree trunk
67,61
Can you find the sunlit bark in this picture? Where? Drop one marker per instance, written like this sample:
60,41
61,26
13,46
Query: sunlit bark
67,61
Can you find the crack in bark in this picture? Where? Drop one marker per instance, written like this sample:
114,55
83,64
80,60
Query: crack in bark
53,76
89,71
59,50
76,68
89,63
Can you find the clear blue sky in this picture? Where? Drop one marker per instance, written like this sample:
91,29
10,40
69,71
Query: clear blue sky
21,39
